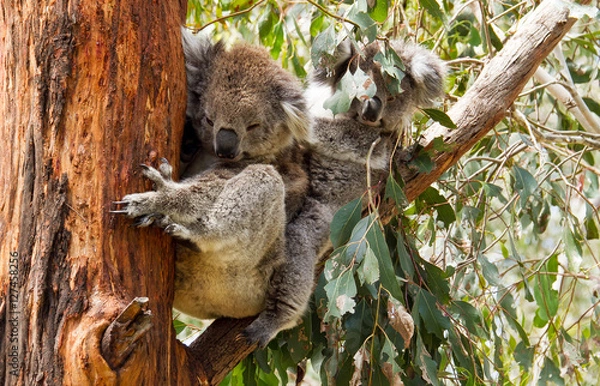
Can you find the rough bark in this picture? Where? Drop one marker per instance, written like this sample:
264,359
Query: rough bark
476,113
88,90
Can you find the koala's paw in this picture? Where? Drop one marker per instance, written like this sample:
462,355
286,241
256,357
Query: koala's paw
259,332
161,177
178,230
147,220
140,206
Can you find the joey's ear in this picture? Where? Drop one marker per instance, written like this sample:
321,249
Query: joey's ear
199,57
426,70
330,71
297,119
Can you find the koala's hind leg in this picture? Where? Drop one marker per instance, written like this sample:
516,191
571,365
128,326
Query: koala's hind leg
292,283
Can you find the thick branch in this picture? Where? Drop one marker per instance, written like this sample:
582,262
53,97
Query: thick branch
486,102
220,348
481,108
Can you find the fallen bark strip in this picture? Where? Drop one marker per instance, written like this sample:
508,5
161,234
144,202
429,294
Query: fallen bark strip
475,114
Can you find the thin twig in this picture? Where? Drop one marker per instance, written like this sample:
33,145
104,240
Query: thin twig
223,18
332,15
369,187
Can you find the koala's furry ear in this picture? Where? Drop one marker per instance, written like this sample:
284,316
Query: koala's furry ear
329,72
199,54
297,119
425,69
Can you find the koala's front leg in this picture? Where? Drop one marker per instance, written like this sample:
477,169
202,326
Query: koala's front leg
149,207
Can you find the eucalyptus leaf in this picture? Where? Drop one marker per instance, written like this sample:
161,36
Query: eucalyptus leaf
435,322
380,248
368,271
440,204
441,117
379,12
433,8
344,221
394,191
341,293
389,352
525,183
546,297
324,45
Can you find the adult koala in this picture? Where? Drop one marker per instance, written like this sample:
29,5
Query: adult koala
229,210
336,161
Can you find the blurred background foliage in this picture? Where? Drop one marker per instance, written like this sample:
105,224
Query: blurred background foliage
492,275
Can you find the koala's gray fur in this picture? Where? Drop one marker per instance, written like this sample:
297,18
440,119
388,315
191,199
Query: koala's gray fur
238,265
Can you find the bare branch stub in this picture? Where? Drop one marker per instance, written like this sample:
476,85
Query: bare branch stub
120,337
221,347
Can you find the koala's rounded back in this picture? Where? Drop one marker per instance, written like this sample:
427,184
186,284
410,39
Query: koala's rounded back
244,106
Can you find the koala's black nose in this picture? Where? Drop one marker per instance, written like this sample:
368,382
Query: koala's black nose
226,144
372,109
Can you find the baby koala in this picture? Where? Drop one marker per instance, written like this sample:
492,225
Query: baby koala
336,159
390,109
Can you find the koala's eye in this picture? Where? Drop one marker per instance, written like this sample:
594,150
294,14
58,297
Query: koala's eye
252,127
391,98
208,121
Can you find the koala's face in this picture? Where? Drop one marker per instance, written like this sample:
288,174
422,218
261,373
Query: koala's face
250,108
384,108
421,85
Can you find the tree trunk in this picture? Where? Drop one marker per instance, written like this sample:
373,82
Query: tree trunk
88,90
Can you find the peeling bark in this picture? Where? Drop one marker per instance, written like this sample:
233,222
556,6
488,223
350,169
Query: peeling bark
119,339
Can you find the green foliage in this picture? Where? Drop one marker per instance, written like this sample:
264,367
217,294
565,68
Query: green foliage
495,266
352,85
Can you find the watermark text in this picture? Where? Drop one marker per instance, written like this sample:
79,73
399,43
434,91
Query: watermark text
13,314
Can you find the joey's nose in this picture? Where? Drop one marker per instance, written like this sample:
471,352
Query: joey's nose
226,144
371,111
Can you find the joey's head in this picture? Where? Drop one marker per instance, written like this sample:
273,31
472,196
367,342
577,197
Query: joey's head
247,106
391,106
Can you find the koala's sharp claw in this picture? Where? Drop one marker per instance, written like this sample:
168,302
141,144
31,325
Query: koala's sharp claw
143,221
165,169
123,210
245,337
145,167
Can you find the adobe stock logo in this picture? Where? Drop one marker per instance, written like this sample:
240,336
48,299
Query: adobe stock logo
13,315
